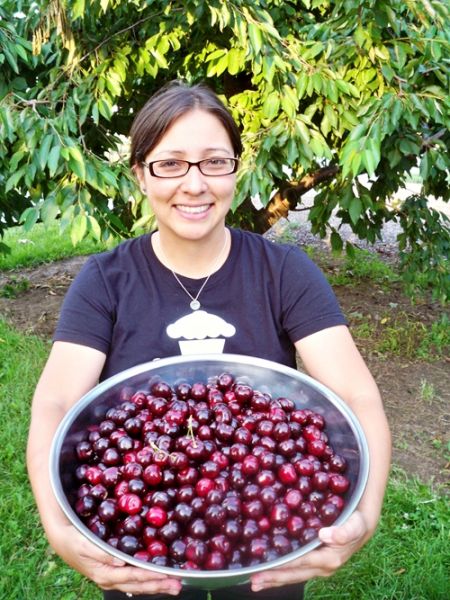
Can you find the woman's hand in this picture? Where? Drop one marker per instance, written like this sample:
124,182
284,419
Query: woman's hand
107,571
339,544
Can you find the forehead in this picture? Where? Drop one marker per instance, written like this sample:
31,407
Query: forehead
195,131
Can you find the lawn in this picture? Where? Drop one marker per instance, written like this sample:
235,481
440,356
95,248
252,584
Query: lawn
406,560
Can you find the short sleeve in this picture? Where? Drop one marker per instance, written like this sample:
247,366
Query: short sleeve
87,314
308,301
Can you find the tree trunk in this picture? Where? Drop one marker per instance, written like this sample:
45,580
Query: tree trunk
284,201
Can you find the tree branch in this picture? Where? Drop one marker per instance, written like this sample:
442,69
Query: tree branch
286,199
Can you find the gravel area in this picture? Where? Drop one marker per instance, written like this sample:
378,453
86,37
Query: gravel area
386,246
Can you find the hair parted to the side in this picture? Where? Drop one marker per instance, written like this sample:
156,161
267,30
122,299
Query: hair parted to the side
168,104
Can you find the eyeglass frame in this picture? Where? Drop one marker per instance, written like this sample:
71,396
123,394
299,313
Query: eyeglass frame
190,164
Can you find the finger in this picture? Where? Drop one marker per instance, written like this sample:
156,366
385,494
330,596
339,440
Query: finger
137,581
171,587
282,577
141,581
318,563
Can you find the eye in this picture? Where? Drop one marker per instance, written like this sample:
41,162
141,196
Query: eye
170,164
217,162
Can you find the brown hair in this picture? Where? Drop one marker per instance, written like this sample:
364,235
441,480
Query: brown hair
168,104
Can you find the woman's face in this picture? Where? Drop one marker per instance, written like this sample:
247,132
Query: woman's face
194,206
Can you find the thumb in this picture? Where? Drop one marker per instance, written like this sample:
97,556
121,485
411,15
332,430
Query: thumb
95,553
351,531
113,561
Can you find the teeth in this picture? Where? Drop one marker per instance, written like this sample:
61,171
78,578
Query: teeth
193,209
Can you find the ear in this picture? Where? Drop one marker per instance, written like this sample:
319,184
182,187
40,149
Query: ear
140,176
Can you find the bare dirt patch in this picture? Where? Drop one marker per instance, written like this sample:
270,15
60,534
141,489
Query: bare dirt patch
416,393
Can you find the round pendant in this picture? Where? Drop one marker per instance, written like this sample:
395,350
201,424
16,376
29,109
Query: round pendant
195,304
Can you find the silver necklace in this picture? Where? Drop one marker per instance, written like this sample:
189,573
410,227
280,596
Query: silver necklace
195,304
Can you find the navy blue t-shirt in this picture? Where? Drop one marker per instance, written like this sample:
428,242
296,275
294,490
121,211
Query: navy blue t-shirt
265,297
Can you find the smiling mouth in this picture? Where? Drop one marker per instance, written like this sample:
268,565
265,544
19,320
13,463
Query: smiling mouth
194,210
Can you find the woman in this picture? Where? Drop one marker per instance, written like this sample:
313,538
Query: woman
158,295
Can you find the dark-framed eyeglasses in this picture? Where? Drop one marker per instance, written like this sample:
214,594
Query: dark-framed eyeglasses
174,167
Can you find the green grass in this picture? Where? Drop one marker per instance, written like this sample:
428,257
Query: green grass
364,265
407,559
404,561
30,570
393,330
40,245
396,333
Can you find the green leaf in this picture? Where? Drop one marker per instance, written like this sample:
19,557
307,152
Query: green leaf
369,161
343,86
109,177
78,9
113,83
221,65
21,52
234,61
14,179
292,151
271,105
436,50
15,160
29,217
78,228
355,210
357,132
105,108
331,116
160,59
313,51
336,242
53,159
44,150
142,223
425,165
332,91
76,162
350,118
289,101
302,130
388,72
355,164
318,147
301,84
360,36
255,35
11,59
94,227
325,125
8,123
95,113
49,210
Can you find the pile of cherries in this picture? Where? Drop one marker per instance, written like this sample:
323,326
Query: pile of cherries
213,475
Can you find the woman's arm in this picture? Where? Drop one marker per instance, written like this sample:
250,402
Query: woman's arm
71,371
331,357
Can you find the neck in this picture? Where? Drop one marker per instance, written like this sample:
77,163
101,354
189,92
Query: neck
192,258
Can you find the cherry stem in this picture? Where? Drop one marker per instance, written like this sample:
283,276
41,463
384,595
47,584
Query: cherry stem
190,431
155,448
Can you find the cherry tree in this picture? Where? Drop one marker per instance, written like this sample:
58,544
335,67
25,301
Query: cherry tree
347,98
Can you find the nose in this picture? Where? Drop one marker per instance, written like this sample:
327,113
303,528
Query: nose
194,181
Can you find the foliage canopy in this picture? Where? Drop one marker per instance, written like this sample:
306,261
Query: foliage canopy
348,98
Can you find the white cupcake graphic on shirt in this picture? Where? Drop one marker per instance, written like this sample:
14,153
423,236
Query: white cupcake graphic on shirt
201,333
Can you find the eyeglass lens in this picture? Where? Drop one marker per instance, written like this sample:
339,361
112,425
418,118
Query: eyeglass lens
177,168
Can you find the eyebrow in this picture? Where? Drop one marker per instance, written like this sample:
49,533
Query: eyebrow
182,152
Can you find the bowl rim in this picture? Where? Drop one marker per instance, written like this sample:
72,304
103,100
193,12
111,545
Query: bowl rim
192,575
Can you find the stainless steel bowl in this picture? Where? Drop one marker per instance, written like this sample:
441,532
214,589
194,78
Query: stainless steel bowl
344,431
